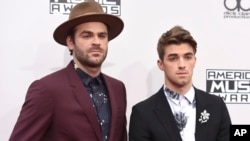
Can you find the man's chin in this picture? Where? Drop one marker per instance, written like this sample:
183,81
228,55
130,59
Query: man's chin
182,83
95,63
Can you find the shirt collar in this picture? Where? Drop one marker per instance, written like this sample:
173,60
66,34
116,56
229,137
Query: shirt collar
87,78
175,97
190,95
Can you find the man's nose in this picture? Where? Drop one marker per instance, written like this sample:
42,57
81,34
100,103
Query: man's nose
182,63
96,40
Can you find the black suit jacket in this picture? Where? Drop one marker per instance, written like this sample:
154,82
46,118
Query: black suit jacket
152,119
59,108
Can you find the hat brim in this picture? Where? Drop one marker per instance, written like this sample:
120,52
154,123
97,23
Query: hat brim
114,24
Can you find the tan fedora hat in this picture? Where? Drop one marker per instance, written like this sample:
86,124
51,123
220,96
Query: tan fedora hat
89,11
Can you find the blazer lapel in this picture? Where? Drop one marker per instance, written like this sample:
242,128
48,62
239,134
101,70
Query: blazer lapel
83,99
165,115
200,131
115,104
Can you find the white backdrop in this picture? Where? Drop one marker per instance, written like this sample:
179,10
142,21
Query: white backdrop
29,52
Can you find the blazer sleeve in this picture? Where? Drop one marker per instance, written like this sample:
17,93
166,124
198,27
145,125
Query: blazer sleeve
35,115
137,129
224,131
124,121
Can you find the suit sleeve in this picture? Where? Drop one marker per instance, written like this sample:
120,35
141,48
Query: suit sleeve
224,131
137,129
125,133
35,115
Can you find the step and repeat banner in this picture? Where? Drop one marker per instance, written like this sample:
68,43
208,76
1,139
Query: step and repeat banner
221,28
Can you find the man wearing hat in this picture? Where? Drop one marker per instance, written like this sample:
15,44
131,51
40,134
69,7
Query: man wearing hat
79,102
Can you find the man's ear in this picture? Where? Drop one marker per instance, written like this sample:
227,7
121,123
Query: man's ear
160,64
70,43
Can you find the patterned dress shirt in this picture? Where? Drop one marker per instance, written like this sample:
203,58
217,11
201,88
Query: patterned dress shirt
184,112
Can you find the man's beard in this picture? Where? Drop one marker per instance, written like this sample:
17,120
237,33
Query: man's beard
86,60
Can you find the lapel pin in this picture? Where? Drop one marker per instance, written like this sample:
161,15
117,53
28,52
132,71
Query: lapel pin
204,117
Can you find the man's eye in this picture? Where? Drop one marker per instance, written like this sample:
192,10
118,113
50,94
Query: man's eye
189,57
103,36
86,36
172,58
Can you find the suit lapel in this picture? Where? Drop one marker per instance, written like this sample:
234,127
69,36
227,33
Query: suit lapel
201,130
83,99
115,104
165,115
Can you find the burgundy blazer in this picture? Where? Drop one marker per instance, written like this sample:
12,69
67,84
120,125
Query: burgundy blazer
58,108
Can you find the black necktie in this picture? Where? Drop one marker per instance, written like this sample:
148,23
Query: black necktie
101,104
